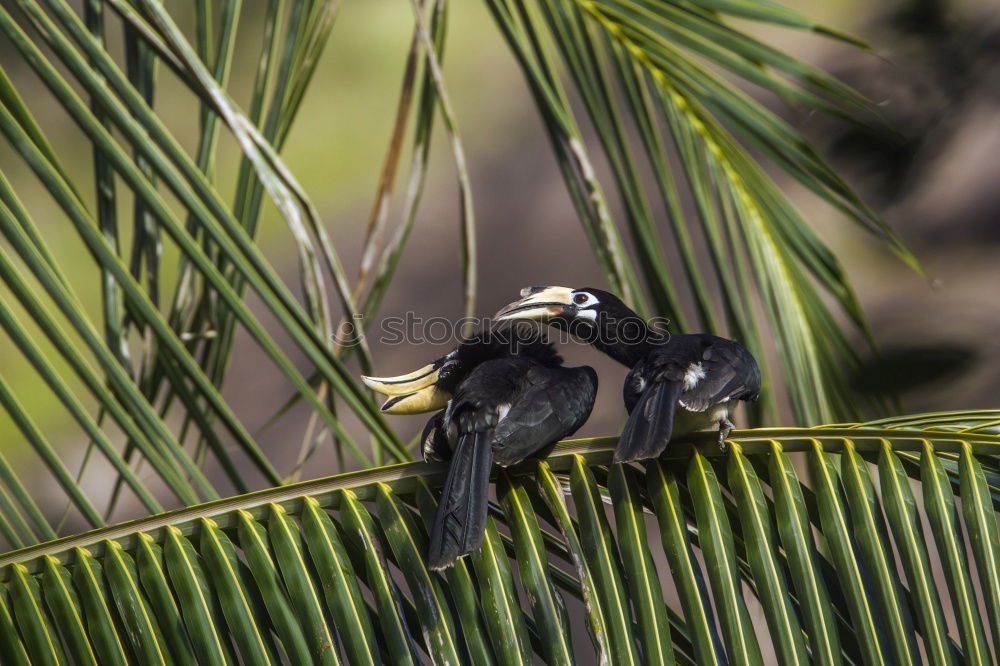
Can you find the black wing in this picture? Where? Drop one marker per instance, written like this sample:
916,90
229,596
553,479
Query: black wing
557,402
709,369
694,371
727,372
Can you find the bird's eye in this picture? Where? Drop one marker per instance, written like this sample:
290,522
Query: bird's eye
580,299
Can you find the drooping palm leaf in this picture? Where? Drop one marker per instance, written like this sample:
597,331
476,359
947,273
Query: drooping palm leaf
185,348
333,570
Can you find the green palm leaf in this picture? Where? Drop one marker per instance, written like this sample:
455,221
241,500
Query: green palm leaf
335,567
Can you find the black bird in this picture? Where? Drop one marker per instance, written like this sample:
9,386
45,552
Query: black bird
507,396
678,384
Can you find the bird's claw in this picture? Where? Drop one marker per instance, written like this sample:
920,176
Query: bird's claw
725,427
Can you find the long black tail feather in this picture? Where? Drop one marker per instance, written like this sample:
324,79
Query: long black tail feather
650,424
460,521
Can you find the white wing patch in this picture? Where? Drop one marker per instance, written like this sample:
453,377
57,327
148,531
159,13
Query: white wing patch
502,410
694,374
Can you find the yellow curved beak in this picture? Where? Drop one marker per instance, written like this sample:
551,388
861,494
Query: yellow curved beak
427,399
538,304
412,393
408,383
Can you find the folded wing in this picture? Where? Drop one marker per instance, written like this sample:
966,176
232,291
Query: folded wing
554,406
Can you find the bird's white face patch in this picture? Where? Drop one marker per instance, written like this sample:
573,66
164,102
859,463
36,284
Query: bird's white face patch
584,299
584,302
694,374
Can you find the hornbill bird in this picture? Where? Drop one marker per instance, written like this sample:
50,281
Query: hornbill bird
677,384
506,396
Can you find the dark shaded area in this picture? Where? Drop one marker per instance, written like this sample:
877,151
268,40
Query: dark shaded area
899,370
930,167
942,64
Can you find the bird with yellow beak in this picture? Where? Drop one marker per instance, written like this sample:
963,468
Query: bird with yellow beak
505,396
677,384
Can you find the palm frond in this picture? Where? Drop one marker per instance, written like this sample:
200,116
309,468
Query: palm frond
334,569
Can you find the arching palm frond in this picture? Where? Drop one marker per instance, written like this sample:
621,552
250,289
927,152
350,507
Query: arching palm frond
334,571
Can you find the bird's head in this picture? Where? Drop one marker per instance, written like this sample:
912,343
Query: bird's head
595,316
576,310
559,306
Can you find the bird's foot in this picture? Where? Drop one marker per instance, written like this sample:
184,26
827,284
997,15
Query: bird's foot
725,426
